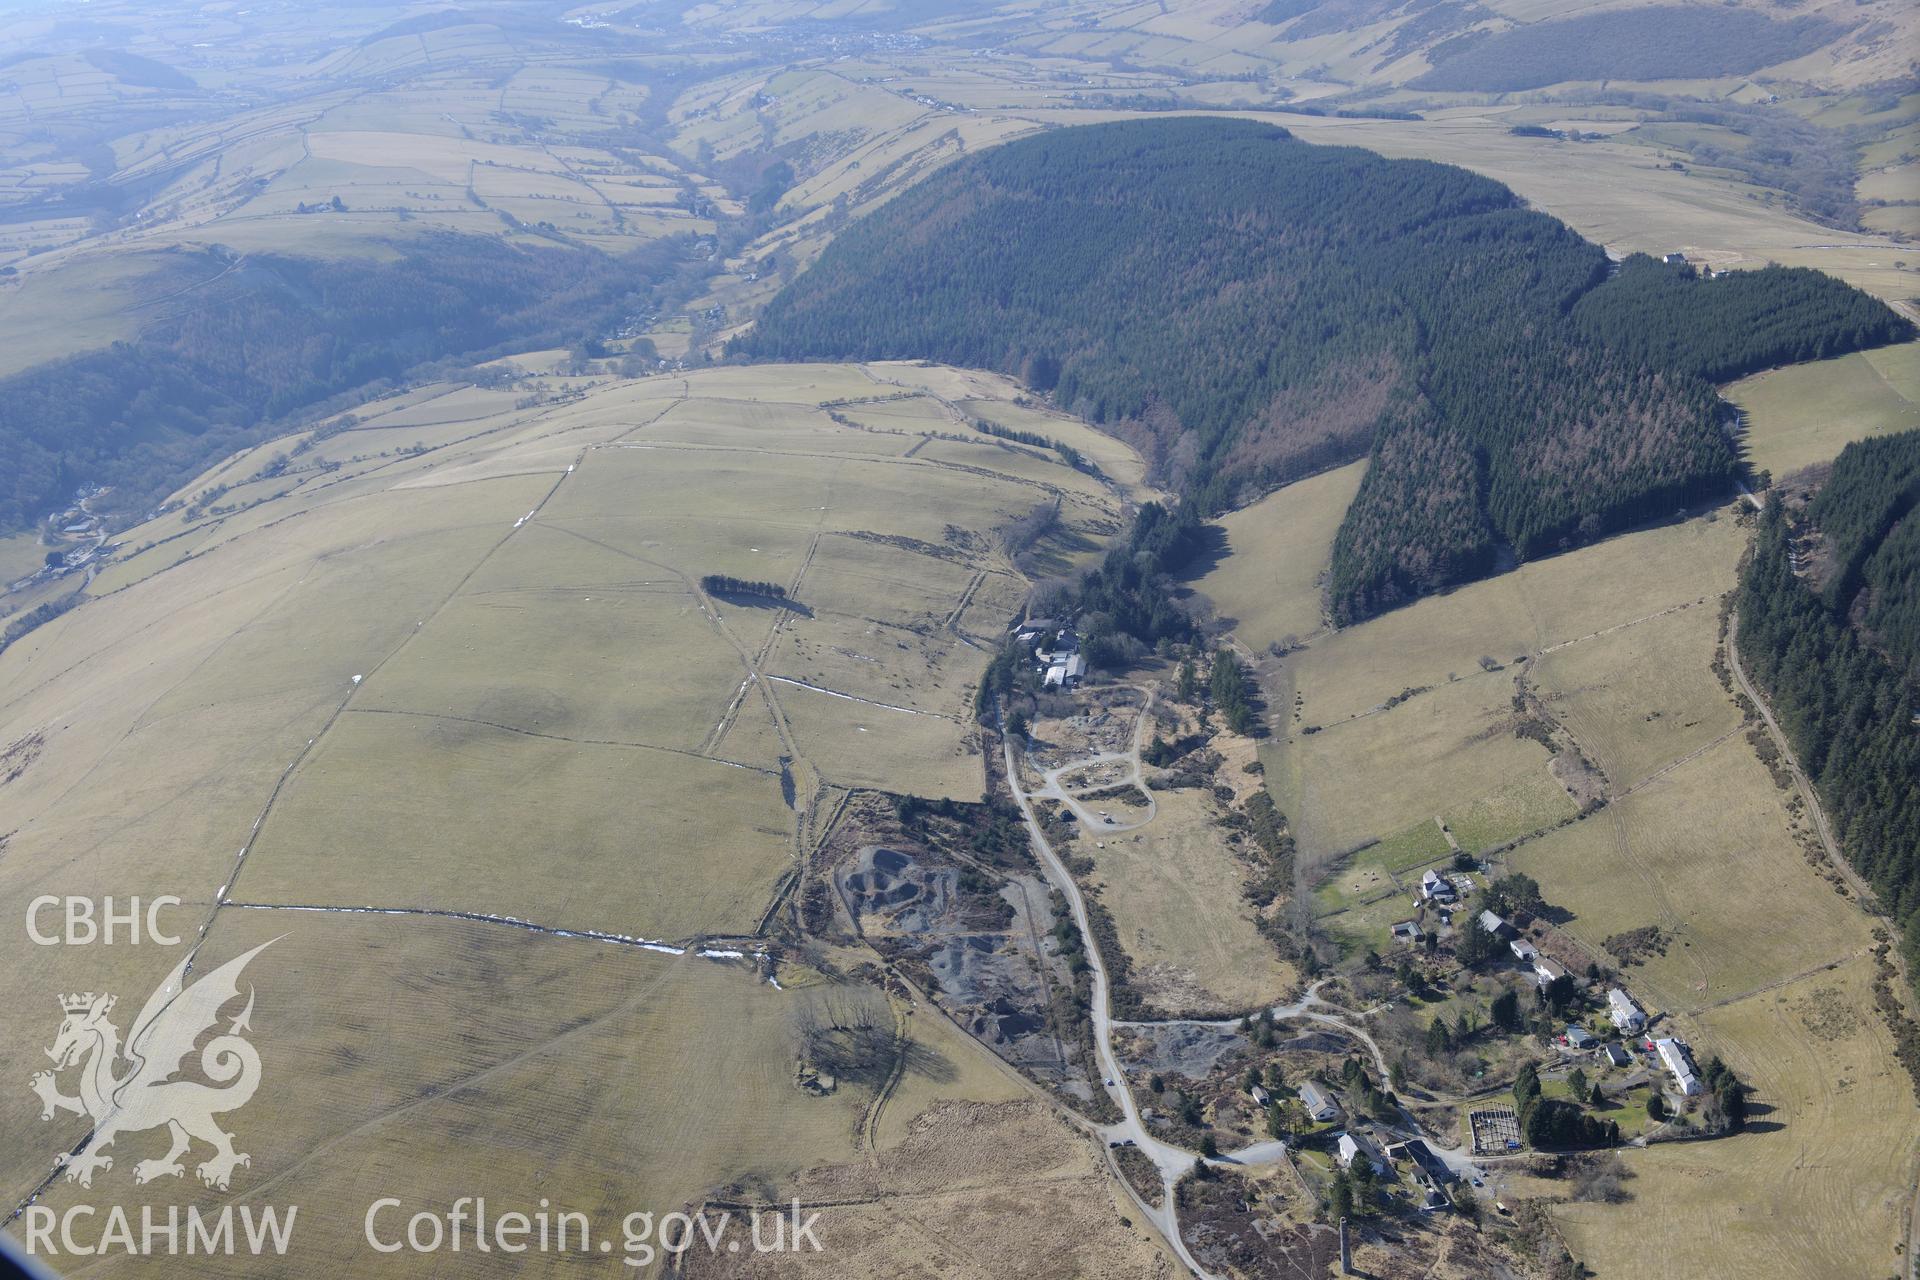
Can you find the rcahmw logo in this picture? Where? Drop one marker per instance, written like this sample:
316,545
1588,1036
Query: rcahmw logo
134,1088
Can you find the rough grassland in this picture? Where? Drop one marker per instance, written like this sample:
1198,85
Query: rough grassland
1437,753
433,1059
1816,1189
1174,890
1807,413
20,555
1704,853
974,1190
484,679
410,810
1268,584
1541,604
1641,697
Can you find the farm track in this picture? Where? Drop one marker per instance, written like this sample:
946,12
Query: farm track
1173,1162
1862,891
223,896
683,947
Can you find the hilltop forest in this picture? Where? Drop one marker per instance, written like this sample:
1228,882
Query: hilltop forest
1250,309
1839,655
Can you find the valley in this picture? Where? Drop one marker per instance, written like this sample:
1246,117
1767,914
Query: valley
1034,630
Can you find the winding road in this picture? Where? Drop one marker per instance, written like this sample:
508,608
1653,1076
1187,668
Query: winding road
1172,1161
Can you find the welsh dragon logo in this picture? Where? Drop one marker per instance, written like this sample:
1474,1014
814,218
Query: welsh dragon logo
144,1093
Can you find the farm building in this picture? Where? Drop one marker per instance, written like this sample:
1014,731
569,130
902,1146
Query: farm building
1430,1165
1678,1059
1407,931
1435,887
1260,1095
1499,928
1626,1015
1319,1103
1353,1146
1066,672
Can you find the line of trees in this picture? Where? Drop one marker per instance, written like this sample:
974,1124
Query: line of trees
1068,454
720,584
1552,1124
1234,694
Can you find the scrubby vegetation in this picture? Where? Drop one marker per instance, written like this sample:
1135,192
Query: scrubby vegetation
276,334
1840,675
1250,309
1665,43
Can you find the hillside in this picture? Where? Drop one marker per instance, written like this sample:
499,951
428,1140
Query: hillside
1504,45
1250,309
1681,42
1830,627
214,369
449,676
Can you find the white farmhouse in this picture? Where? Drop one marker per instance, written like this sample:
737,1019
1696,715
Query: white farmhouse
1352,1146
1319,1103
1626,1015
1678,1059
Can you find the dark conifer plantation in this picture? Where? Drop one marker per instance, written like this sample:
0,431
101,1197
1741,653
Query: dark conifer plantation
1250,309
1841,667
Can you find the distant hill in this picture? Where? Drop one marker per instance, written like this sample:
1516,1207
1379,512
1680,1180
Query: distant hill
145,73
1251,309
275,334
1679,42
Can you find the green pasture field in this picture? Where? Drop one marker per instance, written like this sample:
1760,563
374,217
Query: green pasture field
1379,867
1268,583
1805,414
